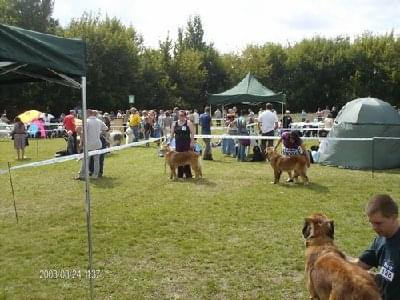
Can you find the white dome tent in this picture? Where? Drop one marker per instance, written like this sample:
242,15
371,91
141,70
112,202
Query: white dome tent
364,118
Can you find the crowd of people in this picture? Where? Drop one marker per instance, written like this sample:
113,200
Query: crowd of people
144,124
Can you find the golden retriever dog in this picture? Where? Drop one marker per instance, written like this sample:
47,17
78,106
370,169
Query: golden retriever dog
329,275
175,159
296,163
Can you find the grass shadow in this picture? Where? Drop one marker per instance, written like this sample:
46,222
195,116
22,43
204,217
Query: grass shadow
316,187
203,181
105,182
200,181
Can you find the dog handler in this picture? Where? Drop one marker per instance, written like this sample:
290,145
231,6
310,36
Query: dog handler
384,252
292,145
183,132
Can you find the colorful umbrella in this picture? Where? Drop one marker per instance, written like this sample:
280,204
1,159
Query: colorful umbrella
29,116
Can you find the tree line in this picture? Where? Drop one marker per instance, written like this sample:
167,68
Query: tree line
316,72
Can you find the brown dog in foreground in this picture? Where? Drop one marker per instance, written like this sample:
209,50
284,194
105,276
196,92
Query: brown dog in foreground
329,275
175,159
280,163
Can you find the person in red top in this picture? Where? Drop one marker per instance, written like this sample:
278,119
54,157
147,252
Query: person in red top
69,124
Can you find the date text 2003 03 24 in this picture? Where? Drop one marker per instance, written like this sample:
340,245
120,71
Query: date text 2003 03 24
68,274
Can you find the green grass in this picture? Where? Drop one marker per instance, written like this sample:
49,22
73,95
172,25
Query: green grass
231,235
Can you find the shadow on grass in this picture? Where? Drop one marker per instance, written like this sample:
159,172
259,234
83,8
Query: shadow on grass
316,187
220,161
105,182
200,181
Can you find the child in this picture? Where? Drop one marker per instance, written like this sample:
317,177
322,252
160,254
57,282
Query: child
197,147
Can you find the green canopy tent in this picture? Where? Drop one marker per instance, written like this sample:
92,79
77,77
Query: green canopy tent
248,91
364,118
27,56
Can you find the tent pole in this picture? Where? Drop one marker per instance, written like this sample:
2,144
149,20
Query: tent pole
210,114
373,155
89,271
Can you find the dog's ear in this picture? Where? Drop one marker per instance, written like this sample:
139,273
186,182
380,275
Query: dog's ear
331,229
306,228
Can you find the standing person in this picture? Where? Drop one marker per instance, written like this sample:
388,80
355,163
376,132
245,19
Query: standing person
94,128
167,124
286,120
19,134
69,125
147,125
326,111
242,130
175,114
196,121
107,120
183,132
4,118
218,116
269,122
205,123
104,145
292,145
334,112
303,115
319,114
134,123
384,252
157,125
228,145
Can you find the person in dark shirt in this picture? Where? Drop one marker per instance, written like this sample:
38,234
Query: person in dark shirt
183,132
286,120
334,112
384,252
205,123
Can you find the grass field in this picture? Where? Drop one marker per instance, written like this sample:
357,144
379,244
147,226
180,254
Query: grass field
231,235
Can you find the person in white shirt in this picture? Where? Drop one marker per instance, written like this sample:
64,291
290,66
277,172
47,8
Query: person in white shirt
267,122
94,128
196,118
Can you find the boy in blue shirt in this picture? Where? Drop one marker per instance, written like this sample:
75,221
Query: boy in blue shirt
384,252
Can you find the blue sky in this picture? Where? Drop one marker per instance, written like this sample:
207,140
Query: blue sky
231,25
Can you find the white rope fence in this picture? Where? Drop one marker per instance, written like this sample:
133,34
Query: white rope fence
198,136
79,156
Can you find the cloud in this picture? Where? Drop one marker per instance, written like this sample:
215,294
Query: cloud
231,25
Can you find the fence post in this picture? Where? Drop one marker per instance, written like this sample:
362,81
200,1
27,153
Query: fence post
373,156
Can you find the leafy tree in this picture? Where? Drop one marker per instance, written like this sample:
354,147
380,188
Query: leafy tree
189,75
29,14
6,12
112,60
194,34
154,80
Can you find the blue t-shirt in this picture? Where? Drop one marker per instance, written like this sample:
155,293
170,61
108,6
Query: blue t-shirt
205,123
384,254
